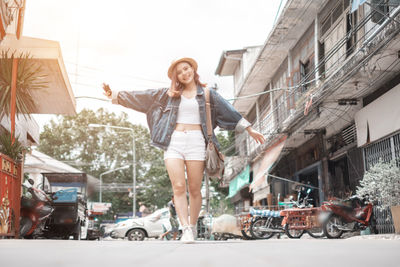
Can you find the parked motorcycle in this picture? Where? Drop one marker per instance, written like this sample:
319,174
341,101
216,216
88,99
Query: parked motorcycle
269,222
245,221
36,207
352,214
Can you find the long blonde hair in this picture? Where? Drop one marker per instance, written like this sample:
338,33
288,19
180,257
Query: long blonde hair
176,87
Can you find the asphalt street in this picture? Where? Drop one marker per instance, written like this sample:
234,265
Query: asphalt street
273,252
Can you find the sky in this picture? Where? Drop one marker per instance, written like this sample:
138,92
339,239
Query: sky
130,44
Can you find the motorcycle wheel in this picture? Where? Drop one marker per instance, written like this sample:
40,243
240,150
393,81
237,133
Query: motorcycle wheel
258,233
291,233
246,234
372,225
25,225
316,232
330,229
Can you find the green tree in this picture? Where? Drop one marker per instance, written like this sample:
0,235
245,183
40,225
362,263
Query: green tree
96,150
227,141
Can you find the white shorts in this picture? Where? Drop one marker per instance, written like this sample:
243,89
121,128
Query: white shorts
186,145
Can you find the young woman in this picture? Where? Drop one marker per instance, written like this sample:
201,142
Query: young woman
176,117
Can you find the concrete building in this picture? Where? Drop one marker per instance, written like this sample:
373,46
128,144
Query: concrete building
324,88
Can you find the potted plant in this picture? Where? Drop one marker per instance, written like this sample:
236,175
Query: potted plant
382,184
12,150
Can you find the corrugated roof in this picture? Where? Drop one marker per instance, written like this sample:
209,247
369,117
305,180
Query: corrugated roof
39,162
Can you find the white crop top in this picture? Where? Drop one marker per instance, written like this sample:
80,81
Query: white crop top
188,111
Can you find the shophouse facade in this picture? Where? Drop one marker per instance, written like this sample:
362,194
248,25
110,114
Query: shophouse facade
324,89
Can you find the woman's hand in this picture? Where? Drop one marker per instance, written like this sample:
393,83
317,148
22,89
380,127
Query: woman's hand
107,91
257,136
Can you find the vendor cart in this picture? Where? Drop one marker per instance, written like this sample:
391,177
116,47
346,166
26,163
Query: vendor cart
302,219
70,206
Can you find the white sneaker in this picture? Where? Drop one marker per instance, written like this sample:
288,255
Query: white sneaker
187,236
194,231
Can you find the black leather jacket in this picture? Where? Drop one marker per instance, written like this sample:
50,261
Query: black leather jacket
162,111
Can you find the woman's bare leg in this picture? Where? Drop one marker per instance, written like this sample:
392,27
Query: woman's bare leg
195,171
176,172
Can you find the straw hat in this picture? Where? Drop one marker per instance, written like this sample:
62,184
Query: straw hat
189,60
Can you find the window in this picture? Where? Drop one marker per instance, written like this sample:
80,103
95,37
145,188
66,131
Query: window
321,56
280,103
333,15
264,103
252,115
386,150
307,74
351,24
382,8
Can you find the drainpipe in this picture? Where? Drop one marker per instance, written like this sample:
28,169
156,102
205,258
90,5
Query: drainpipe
258,116
323,173
316,50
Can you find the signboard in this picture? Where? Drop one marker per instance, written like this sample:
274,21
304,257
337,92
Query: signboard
99,207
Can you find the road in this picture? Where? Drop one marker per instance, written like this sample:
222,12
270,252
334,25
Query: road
273,252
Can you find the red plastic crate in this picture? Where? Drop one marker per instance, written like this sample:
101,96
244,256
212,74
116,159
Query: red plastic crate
301,219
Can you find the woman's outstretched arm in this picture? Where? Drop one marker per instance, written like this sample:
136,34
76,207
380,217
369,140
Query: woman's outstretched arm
138,100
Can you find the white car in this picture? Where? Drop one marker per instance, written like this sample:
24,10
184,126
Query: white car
139,228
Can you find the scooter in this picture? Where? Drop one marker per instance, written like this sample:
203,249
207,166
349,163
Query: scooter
35,209
352,214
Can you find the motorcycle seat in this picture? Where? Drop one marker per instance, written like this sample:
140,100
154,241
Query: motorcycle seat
265,213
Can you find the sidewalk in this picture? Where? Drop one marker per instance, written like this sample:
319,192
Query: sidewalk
377,237
274,252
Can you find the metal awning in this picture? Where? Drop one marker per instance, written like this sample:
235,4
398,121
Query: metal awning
239,182
229,61
58,98
37,162
379,119
270,157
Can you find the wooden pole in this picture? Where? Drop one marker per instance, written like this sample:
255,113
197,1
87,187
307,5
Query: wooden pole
13,96
19,23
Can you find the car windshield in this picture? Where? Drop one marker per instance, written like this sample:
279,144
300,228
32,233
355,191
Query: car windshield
53,182
54,187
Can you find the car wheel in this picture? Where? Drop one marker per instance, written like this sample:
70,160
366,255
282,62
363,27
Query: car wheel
136,235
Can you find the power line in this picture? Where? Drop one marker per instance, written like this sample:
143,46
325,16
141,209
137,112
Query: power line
332,52
117,73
